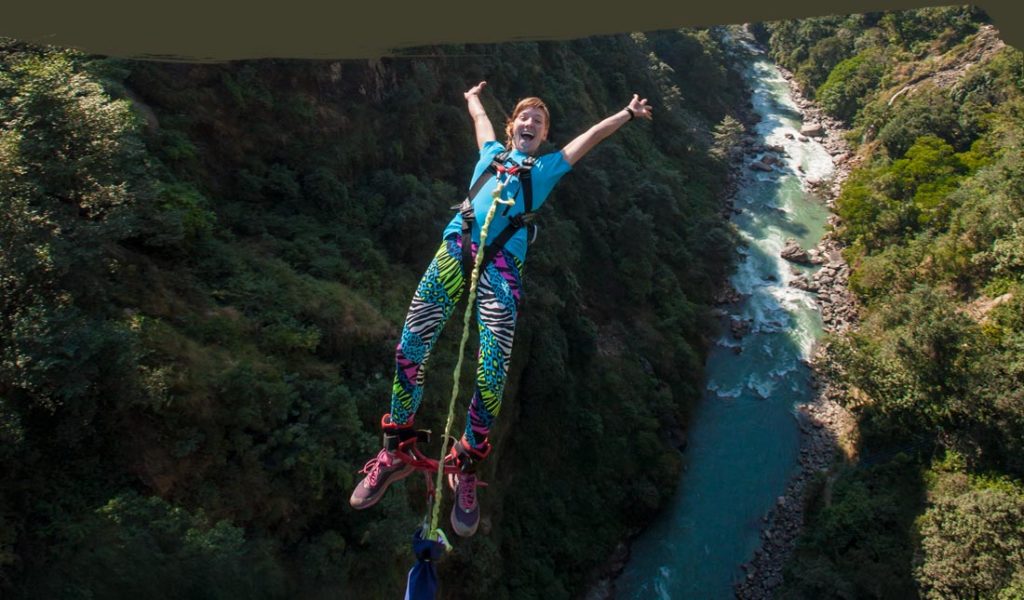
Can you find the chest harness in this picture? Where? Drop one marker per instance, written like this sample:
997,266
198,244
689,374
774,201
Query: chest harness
498,168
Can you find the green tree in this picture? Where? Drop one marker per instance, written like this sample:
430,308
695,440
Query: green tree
134,546
972,544
850,84
728,135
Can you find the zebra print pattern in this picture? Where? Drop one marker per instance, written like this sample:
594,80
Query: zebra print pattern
498,297
497,308
436,296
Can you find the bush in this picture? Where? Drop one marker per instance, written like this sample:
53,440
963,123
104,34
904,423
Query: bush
135,547
931,112
972,544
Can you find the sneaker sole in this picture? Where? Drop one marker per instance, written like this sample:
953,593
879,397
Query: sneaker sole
460,529
371,500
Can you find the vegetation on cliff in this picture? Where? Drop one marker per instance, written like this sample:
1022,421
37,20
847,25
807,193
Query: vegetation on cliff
932,219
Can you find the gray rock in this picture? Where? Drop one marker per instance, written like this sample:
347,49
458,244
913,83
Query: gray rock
800,283
794,253
740,328
813,130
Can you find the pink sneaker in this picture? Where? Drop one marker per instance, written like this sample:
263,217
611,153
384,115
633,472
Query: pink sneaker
380,472
386,468
466,509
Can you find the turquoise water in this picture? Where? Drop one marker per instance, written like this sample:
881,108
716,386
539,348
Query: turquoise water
744,441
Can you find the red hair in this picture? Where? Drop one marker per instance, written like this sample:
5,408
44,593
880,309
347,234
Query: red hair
525,103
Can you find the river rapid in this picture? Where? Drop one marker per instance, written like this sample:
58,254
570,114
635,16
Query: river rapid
744,440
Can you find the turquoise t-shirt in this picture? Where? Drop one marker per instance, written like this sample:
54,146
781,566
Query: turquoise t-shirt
546,172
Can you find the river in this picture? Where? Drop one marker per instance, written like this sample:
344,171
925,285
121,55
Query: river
744,438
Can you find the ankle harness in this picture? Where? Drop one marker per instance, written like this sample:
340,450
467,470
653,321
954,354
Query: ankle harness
466,458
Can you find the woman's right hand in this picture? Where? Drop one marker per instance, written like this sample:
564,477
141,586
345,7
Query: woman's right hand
475,90
481,124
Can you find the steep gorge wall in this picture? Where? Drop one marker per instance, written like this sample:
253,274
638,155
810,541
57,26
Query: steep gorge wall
275,217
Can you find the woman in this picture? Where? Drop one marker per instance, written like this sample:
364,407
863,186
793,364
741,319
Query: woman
528,179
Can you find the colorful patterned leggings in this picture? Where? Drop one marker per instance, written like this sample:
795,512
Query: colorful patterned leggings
438,292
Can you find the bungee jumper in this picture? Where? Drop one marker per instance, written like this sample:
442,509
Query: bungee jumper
514,176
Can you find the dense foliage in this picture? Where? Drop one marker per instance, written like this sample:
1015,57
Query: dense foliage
931,218
204,269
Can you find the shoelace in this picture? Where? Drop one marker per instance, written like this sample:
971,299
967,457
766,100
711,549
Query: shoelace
373,466
467,490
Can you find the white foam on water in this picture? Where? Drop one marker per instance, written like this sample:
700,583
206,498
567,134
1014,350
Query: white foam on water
746,277
784,370
766,314
762,387
804,337
771,326
661,583
794,299
715,387
727,341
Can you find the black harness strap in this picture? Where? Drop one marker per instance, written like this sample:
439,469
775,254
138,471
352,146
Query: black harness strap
468,217
516,222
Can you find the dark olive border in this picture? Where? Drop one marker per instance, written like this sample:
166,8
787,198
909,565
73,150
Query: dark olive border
216,30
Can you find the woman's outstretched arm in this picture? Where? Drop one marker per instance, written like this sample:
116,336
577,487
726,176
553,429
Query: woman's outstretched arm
586,141
482,124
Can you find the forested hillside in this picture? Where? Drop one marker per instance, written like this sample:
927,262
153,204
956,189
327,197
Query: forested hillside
203,273
932,219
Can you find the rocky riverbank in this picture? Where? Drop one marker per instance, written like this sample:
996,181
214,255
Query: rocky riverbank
823,421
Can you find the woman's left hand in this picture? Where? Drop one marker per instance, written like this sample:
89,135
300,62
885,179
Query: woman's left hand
640,107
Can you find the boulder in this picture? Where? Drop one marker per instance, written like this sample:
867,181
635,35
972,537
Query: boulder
794,253
760,166
813,130
740,328
800,283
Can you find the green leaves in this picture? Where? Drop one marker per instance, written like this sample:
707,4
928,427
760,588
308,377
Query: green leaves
136,546
931,219
858,544
728,134
849,84
972,542
888,203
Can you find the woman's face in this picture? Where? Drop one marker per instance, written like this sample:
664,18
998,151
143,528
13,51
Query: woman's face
529,130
